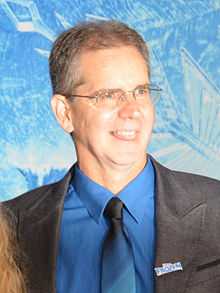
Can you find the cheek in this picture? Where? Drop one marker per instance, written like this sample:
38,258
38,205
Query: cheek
93,122
151,118
100,119
149,115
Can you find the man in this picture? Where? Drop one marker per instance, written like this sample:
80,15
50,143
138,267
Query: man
72,231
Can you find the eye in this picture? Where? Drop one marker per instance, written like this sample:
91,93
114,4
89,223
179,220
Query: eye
114,94
102,95
109,95
141,91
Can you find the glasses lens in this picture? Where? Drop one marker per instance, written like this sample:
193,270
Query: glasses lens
155,94
110,99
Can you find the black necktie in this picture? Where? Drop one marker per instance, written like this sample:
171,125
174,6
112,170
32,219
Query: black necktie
118,273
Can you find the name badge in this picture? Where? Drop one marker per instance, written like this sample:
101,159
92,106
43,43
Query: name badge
168,268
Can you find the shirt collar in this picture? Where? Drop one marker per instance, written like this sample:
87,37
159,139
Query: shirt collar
135,195
138,194
94,196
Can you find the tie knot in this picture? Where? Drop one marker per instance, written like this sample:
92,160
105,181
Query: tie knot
113,209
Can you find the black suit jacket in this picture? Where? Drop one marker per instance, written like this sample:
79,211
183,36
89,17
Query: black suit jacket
187,229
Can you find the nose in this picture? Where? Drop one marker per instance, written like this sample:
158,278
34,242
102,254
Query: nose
129,110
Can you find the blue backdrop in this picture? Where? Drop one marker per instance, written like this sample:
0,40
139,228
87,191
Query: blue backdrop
184,41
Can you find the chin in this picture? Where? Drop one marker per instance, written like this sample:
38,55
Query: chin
126,159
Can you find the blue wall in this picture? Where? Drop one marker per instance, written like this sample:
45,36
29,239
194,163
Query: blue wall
184,40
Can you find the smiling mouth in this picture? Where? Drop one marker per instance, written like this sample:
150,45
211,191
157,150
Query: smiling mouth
125,134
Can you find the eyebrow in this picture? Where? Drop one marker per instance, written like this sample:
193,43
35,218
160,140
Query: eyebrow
116,89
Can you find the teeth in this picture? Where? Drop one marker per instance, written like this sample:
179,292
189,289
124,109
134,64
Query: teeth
125,133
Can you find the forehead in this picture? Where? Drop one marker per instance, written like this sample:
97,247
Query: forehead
118,67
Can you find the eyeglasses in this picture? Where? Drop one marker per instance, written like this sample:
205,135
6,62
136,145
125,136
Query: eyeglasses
113,98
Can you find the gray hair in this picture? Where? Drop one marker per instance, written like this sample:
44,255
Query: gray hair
87,36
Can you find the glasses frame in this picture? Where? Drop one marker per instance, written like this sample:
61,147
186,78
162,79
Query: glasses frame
150,87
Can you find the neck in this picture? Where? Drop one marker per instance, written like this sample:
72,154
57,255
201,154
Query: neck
113,177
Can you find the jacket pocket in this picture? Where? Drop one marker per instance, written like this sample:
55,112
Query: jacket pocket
206,270
208,265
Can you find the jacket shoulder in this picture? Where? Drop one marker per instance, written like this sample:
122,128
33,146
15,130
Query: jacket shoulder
30,197
188,182
199,182
52,192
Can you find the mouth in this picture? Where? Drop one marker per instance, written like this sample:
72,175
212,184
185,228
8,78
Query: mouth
125,134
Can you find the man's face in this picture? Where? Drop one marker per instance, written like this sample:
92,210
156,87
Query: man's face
111,136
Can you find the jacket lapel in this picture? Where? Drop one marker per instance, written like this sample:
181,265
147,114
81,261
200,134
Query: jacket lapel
179,215
40,224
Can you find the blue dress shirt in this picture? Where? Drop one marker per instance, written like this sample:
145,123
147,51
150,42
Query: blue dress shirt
83,229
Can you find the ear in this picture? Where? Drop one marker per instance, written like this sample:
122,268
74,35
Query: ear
62,112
